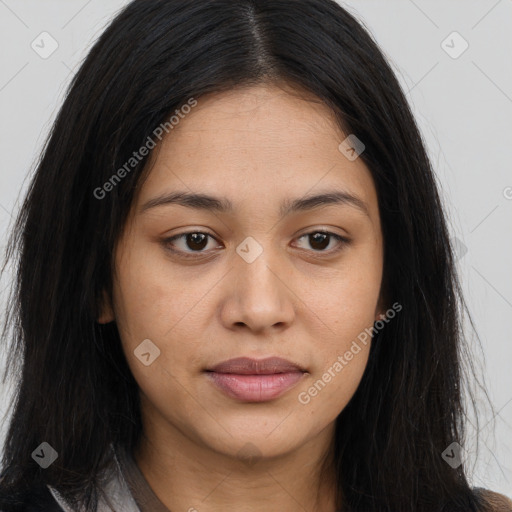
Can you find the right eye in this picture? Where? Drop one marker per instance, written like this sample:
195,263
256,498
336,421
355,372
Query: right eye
195,240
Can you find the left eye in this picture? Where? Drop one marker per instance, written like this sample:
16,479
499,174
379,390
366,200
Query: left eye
196,241
318,239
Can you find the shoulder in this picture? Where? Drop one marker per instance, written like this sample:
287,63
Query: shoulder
497,502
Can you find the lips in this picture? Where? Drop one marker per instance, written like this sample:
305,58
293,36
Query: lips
252,380
248,366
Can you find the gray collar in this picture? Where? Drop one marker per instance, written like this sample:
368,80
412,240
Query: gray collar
123,488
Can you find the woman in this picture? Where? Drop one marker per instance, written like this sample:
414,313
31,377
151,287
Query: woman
235,288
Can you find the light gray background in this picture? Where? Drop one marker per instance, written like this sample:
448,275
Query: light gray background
463,106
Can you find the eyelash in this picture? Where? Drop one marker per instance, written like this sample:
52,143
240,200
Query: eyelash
343,241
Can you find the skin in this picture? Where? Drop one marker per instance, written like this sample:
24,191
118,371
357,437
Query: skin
256,146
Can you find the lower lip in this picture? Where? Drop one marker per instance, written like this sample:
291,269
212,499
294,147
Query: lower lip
255,388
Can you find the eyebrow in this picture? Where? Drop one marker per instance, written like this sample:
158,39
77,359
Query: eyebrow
223,205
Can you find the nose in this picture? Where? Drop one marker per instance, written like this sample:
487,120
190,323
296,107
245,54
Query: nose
260,295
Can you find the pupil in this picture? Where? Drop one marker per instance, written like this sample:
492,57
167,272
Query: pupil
195,240
320,238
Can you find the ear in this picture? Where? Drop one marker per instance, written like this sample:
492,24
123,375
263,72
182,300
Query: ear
106,310
380,312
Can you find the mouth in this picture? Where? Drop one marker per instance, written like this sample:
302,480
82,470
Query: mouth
252,380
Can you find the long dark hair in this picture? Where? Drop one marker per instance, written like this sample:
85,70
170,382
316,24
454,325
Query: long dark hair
75,389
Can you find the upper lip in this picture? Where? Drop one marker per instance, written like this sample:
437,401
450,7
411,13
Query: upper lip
248,366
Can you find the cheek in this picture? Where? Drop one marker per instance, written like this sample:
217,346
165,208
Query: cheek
346,309
329,391
342,355
346,300
151,296
154,301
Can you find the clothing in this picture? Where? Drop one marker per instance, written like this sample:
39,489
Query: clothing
498,502
123,488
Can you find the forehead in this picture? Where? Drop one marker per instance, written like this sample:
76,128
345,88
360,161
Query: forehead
260,144
258,117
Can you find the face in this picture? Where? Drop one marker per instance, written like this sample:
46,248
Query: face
197,284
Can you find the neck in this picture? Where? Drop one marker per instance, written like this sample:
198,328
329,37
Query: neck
188,476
